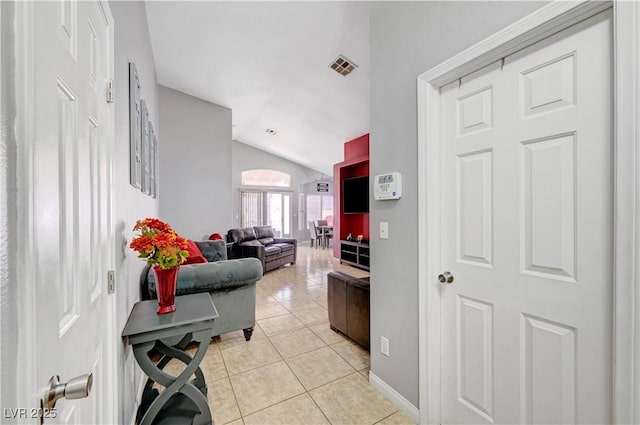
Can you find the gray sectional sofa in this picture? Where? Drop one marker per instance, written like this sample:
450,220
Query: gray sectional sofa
231,284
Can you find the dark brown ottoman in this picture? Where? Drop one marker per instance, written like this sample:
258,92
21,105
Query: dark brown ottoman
348,303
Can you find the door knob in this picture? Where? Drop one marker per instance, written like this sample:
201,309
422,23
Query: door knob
78,387
445,277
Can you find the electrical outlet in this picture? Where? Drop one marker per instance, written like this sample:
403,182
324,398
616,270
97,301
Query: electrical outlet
384,230
384,346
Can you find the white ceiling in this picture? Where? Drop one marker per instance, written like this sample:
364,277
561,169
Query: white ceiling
269,63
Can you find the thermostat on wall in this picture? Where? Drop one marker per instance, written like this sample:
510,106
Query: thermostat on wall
387,186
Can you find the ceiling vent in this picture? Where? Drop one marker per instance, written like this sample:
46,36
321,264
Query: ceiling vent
270,131
343,66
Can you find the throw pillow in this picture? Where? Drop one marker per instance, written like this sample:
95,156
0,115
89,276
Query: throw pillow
195,255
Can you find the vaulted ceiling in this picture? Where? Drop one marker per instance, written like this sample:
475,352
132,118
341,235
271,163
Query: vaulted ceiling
269,63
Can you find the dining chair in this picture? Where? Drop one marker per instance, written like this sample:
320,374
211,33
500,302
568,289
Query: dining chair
315,235
326,234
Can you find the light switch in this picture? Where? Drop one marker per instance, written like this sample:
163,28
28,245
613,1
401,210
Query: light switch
384,230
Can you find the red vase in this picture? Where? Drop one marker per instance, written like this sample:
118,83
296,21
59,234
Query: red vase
166,288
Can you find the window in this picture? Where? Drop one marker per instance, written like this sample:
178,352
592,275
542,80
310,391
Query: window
272,178
251,208
258,208
301,212
264,207
327,209
320,207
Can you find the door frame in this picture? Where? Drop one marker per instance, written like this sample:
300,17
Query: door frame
29,384
547,20
5,267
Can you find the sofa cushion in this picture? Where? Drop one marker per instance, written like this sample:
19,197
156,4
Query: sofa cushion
195,256
241,235
213,250
284,247
226,275
265,241
263,232
216,276
252,242
272,250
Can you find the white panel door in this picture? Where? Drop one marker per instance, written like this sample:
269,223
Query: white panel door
72,198
526,211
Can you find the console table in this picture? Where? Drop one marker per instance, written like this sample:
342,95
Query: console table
355,254
170,334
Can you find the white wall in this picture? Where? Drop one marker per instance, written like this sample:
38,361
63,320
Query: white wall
131,44
246,157
408,38
8,213
195,165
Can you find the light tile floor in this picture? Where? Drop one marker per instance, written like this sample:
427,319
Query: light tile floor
295,370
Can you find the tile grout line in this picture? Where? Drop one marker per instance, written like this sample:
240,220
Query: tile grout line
242,416
386,417
306,391
275,404
326,383
291,311
257,367
233,390
291,370
328,345
345,359
268,296
303,352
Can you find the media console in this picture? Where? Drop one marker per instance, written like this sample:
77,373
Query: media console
355,254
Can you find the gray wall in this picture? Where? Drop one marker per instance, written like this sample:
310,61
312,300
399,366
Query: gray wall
195,166
246,157
131,44
408,38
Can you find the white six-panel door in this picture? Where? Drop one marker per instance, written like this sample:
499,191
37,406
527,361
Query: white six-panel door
526,207
71,186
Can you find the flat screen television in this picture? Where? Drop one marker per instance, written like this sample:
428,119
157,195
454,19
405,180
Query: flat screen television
355,195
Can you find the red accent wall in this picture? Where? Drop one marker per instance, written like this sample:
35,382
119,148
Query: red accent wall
355,164
356,148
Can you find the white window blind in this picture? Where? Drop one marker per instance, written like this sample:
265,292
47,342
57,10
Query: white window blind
251,208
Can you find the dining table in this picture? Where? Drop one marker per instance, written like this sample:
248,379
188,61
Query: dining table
324,232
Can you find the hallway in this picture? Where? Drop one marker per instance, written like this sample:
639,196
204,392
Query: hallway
295,369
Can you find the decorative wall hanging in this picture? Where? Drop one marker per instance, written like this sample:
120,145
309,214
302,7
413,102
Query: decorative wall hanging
144,182
135,128
143,166
153,155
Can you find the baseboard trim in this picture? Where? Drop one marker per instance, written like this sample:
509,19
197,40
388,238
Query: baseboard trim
395,397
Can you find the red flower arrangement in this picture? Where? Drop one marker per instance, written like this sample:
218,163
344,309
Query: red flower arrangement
159,244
